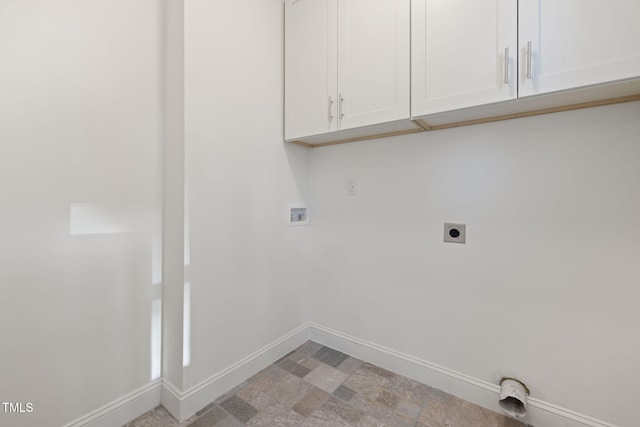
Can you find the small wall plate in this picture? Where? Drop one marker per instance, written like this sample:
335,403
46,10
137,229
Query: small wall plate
298,214
455,233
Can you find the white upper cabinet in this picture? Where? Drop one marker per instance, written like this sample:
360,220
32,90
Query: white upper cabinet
310,67
464,53
572,43
347,65
357,69
470,53
373,61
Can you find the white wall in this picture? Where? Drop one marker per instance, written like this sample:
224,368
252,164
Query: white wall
546,288
245,266
87,91
80,188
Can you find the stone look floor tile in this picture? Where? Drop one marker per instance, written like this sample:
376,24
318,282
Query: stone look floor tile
295,368
444,410
435,412
210,418
350,365
228,422
330,357
408,390
382,412
336,391
258,385
504,421
283,358
308,362
347,412
275,372
229,393
377,370
326,378
388,399
310,402
369,421
366,382
476,415
287,392
240,409
205,409
344,393
322,417
404,396
408,410
307,349
276,415
158,417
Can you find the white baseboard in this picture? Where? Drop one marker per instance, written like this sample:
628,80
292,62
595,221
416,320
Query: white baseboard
170,399
182,405
123,410
482,393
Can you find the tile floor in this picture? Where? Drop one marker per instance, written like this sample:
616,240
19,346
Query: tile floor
318,386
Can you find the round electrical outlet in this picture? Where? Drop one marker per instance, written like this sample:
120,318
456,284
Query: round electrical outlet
454,233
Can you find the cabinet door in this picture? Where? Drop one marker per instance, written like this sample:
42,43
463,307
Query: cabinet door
310,67
373,61
464,53
577,43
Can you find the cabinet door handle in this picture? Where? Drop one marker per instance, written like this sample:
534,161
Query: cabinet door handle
529,60
330,108
506,65
341,100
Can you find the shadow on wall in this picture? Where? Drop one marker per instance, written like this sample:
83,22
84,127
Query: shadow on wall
94,219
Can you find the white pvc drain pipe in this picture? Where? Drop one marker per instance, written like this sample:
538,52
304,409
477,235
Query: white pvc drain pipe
513,397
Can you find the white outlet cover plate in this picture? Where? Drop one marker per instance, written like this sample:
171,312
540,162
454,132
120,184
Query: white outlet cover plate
351,187
297,207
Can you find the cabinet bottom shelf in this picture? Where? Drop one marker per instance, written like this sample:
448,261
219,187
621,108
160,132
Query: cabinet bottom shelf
575,99
382,130
586,97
